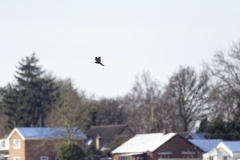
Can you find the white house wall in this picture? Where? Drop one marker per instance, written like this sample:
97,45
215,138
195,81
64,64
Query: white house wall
236,156
205,156
221,145
6,144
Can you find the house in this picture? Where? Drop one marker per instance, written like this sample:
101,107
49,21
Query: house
226,150
197,135
156,146
4,147
102,136
39,143
206,144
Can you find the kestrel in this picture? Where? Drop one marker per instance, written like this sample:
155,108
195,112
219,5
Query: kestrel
98,60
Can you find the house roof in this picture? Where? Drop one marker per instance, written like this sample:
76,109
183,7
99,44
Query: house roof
144,143
234,146
107,133
47,132
206,144
106,130
198,135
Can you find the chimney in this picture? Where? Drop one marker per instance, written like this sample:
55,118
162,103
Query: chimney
164,131
98,141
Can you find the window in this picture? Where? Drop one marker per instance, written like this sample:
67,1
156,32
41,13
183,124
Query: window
44,158
16,143
3,144
164,154
188,154
225,158
139,157
16,158
211,158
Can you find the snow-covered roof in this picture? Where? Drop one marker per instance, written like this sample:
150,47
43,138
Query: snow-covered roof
234,146
206,144
199,135
144,143
47,132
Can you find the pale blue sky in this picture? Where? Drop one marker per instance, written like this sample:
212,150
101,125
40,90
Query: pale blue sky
130,36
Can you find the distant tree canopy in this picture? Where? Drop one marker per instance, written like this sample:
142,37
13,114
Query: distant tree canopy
219,129
28,101
108,111
3,117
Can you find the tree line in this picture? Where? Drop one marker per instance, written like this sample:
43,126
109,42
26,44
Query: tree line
209,96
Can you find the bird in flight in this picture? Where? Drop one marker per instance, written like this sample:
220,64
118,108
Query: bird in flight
98,60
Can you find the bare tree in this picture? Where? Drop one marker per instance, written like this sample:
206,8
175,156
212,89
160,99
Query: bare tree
174,122
222,101
71,110
189,92
225,71
146,109
109,111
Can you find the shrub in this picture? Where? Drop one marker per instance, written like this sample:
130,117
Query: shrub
70,151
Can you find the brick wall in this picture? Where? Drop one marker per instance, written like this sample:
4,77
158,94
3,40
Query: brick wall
16,152
115,157
37,148
34,149
176,145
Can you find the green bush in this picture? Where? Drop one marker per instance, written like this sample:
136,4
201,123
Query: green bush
70,151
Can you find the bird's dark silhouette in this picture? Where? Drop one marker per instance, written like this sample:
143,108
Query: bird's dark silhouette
98,60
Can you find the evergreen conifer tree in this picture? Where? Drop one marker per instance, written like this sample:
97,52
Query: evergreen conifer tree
30,98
